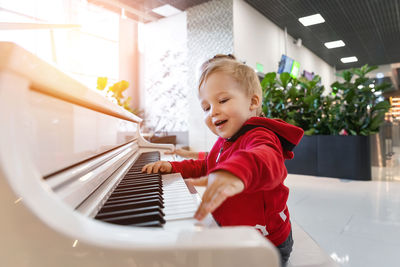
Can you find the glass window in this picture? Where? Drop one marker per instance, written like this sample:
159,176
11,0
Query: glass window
80,38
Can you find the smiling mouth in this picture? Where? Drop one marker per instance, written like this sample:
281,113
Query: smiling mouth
220,123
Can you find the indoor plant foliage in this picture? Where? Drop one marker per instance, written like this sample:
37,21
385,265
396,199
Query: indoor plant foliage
352,108
356,101
296,101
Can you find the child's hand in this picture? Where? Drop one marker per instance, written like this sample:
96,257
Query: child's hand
220,185
183,153
158,166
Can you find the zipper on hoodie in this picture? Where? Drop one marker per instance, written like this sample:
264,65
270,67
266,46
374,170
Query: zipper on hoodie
220,151
219,154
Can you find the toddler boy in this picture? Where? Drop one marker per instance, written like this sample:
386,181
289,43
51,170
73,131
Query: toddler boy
244,171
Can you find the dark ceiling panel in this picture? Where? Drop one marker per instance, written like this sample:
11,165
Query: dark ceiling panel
370,28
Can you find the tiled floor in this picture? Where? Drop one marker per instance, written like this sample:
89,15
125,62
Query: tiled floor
391,172
357,223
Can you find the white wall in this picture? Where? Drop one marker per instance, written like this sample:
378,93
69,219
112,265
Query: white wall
258,40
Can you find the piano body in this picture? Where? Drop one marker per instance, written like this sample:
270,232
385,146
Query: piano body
64,153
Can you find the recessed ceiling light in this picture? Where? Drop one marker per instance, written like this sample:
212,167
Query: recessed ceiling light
166,10
311,20
334,44
348,59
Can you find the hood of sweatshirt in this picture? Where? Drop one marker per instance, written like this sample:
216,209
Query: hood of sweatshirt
288,134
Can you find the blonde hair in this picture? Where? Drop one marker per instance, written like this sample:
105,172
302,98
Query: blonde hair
241,73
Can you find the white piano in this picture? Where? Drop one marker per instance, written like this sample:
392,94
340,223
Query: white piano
71,193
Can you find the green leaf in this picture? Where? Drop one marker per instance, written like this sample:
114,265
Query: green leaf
309,99
370,68
309,132
358,72
346,75
292,93
377,120
383,87
284,77
385,105
268,80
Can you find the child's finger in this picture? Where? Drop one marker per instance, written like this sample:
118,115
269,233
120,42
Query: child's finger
202,181
150,168
214,200
204,207
144,169
201,212
169,152
164,168
219,197
157,166
214,196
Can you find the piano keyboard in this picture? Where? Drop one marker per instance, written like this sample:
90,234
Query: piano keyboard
148,200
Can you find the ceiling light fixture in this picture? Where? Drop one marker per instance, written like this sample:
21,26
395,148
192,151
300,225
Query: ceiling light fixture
166,10
311,20
380,75
348,59
334,44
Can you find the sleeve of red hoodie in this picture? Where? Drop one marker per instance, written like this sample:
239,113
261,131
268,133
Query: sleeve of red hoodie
259,163
190,168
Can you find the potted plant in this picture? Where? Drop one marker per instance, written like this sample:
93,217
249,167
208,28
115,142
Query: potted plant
337,125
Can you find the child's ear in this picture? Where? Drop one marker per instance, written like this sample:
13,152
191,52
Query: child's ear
255,102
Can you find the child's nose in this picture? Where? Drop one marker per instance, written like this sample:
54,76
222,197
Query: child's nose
214,111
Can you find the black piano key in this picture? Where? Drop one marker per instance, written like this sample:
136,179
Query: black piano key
137,191
153,194
111,198
137,218
113,214
148,224
136,170
134,189
131,205
134,198
132,185
140,180
141,176
139,183
137,200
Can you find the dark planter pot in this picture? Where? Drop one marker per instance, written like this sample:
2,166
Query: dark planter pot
336,156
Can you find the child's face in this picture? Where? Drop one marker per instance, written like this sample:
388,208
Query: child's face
226,105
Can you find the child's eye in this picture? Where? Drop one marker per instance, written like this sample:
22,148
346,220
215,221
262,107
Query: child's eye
206,108
223,100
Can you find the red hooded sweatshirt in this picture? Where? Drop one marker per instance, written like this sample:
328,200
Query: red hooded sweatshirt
256,155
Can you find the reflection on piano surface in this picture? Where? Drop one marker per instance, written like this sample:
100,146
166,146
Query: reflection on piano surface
72,191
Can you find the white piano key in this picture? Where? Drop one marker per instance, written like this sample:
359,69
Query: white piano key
179,203
174,208
181,216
